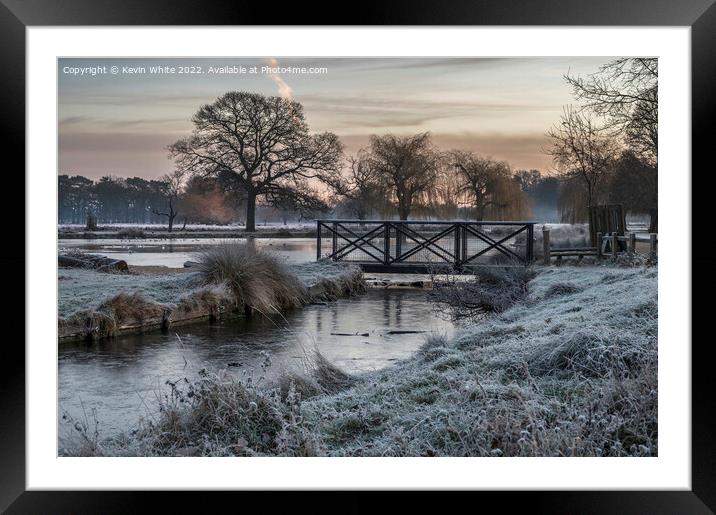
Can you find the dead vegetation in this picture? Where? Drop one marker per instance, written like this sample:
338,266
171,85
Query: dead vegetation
257,280
493,290
218,414
116,312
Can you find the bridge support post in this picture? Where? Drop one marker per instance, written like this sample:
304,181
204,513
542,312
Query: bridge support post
335,241
318,241
545,246
457,248
386,244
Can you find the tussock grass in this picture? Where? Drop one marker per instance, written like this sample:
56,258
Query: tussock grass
116,311
211,298
257,280
329,377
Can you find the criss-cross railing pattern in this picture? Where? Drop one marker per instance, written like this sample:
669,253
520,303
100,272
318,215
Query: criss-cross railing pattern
394,245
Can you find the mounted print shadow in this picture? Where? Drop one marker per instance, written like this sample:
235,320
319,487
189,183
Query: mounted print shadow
358,256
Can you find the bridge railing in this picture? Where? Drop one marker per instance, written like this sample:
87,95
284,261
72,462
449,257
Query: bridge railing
416,244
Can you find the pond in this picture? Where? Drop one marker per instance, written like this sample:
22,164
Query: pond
174,253
120,379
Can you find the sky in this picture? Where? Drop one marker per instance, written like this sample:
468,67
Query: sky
119,121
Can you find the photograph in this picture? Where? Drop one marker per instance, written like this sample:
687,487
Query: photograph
282,256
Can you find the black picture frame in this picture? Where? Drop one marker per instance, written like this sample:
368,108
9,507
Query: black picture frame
700,15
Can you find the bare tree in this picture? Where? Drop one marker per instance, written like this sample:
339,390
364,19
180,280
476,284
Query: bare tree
361,186
407,166
445,196
171,188
625,92
581,148
263,144
489,185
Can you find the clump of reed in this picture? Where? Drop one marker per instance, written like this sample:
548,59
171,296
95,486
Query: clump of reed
258,280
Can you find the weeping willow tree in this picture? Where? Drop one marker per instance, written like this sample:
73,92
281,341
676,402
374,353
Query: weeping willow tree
489,188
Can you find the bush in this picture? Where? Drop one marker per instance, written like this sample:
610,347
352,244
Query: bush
130,233
256,279
493,290
217,415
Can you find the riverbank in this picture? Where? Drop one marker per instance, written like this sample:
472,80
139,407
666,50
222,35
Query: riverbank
201,231
94,305
569,371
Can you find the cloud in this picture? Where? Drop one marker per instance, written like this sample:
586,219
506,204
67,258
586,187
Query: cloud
284,90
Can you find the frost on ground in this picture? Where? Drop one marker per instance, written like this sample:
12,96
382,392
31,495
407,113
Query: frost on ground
571,370
80,288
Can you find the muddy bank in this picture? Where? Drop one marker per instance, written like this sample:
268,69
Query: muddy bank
94,305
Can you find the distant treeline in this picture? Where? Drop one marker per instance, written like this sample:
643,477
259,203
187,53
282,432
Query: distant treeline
137,200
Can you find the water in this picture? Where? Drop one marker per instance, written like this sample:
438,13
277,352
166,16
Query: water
120,378
174,253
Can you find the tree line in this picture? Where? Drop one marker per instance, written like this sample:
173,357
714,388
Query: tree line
249,151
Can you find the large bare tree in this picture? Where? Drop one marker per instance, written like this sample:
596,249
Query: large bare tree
625,92
583,149
407,165
261,146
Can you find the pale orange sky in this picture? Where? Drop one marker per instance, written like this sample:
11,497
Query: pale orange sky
502,107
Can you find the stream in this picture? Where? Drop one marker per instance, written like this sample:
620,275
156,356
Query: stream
119,380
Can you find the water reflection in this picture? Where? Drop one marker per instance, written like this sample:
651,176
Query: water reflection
121,377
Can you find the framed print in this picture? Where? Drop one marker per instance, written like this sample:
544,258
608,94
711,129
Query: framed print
417,252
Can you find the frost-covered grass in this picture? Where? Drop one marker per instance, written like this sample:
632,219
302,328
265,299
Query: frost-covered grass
571,370
80,288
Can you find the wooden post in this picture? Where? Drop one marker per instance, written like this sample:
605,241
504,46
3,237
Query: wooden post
457,248
615,245
463,243
599,245
398,242
652,244
529,249
632,243
318,241
545,246
335,241
386,244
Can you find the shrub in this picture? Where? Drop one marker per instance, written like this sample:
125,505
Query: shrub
130,233
217,415
493,290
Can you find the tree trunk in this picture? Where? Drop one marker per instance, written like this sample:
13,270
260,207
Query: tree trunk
172,216
403,210
250,212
